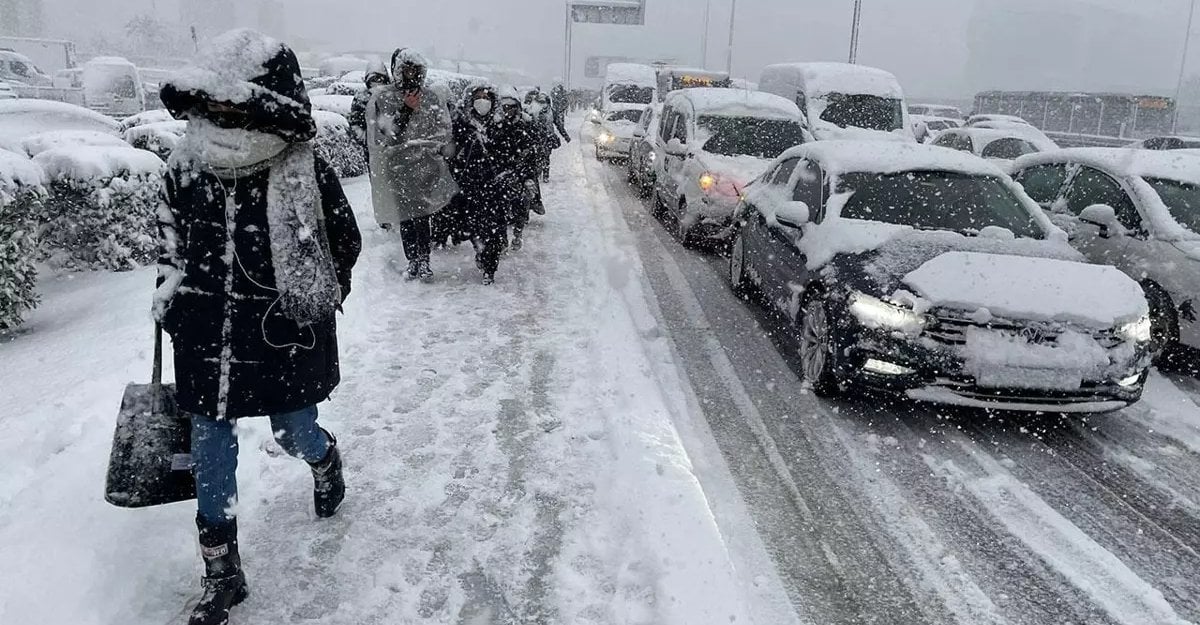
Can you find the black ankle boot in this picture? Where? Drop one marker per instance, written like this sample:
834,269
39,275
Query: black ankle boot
329,488
224,581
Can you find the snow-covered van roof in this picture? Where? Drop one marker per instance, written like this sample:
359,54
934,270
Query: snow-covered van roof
817,79
110,60
735,102
1178,165
630,73
889,157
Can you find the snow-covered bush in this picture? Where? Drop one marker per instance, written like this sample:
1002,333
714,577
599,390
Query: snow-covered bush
158,137
154,116
102,207
339,104
337,145
21,195
45,141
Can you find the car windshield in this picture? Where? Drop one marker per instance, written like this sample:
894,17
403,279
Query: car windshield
937,200
1182,200
632,115
630,94
863,111
750,136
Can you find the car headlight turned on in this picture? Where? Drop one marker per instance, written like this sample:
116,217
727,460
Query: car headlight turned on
707,182
605,137
1139,331
875,313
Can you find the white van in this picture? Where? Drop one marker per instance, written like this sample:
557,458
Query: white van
113,86
628,86
842,101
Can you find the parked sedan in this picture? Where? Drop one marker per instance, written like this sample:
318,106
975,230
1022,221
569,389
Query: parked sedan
1138,210
929,272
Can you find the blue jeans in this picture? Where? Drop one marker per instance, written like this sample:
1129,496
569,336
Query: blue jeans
215,450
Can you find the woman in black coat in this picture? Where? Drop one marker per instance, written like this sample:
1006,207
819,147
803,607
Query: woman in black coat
258,242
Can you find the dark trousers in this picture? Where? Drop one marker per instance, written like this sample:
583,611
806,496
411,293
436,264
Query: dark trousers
417,238
485,214
518,213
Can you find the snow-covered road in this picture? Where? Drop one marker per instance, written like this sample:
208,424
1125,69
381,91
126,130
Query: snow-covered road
882,511
512,455
605,436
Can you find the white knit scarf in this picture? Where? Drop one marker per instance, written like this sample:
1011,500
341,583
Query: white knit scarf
305,277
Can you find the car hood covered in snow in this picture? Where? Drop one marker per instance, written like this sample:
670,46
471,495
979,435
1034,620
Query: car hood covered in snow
1015,287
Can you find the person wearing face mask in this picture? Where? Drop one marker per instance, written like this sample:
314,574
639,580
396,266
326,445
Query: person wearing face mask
257,246
478,171
514,140
409,137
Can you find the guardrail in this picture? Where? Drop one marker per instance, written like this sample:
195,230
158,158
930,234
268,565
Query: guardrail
1071,140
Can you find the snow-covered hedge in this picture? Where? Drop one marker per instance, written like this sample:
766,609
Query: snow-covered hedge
337,145
21,196
100,214
158,137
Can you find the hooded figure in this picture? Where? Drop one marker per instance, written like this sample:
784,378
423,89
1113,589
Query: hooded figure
479,170
408,134
257,245
515,146
377,76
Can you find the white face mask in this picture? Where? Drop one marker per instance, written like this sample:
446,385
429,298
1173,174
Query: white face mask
483,106
535,108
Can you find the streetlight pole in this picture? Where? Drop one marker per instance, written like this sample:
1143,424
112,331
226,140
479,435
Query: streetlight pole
704,43
732,24
854,31
1187,39
567,45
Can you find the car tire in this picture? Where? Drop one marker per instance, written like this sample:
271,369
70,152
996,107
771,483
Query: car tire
1164,324
817,351
741,283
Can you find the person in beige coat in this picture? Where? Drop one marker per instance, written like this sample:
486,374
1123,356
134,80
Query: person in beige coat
409,137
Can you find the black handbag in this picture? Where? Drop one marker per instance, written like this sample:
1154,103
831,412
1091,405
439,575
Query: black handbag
150,463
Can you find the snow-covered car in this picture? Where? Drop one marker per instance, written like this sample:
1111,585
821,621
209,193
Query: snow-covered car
1138,210
7,92
339,104
24,117
943,111
19,69
710,143
929,272
842,101
1168,143
351,83
112,85
617,133
1030,133
925,127
640,164
54,139
999,146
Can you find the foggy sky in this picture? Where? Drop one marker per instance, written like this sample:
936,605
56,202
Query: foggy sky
946,48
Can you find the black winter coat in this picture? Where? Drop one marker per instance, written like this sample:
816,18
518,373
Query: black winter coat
475,165
275,364
514,143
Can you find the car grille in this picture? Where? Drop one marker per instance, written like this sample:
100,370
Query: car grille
951,329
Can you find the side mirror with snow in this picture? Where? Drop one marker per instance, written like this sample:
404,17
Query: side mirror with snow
675,147
792,214
638,133
1104,217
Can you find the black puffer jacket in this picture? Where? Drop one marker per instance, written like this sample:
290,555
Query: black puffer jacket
475,165
274,364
